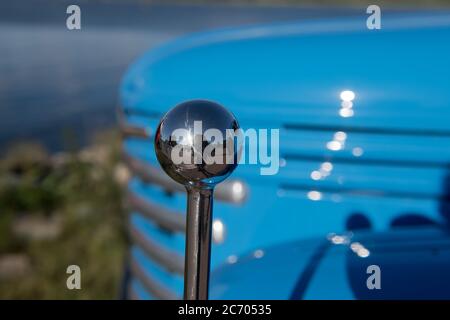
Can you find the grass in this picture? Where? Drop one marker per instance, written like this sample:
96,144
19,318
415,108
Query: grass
83,194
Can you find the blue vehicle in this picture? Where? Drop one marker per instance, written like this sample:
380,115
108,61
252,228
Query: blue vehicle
364,177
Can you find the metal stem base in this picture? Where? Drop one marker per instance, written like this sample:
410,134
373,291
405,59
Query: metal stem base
198,243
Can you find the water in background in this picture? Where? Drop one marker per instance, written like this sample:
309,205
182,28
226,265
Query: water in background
57,84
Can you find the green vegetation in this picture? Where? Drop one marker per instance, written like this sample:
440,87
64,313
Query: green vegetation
60,210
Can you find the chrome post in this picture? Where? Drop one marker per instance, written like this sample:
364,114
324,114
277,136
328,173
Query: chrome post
181,135
198,243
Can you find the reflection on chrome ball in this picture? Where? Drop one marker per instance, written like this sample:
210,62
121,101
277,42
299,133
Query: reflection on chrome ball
193,143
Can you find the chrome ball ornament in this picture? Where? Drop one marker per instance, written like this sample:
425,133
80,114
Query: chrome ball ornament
195,145
190,132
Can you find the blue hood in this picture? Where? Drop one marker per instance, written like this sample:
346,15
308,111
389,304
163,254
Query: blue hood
290,76
399,72
392,164
413,264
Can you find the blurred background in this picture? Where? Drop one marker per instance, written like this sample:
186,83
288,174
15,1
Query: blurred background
60,171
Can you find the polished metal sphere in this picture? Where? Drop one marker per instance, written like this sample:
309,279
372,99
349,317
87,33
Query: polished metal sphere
193,143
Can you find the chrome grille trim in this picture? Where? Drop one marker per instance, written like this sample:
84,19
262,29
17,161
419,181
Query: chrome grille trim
131,293
368,130
167,219
128,130
168,260
150,174
152,286
153,175
133,131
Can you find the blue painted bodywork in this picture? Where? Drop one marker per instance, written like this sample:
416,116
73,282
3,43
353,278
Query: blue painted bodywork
391,170
413,264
